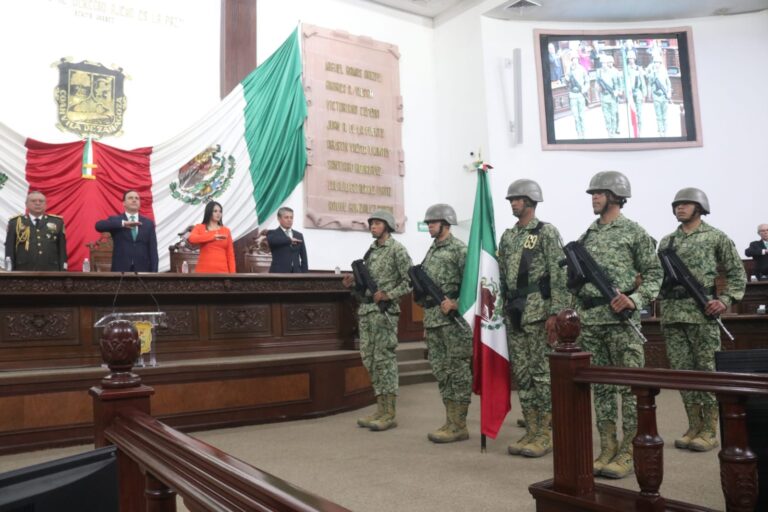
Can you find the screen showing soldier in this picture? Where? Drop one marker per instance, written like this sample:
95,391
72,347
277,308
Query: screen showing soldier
619,88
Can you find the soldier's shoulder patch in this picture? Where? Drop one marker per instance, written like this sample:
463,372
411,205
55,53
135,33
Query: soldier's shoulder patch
54,216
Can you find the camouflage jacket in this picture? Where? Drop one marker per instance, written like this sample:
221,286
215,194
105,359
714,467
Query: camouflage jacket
703,250
627,255
444,263
548,251
388,265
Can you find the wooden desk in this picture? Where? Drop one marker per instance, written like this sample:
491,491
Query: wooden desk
750,331
755,295
238,349
46,319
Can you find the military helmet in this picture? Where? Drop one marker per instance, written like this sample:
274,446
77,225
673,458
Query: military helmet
612,181
525,188
692,195
441,211
385,216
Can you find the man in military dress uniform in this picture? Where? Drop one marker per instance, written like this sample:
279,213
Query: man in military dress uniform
627,255
36,241
691,337
388,262
533,285
449,341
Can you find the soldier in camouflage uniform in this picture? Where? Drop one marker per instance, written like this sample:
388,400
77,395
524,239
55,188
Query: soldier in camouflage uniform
36,241
533,285
449,341
691,337
627,255
388,263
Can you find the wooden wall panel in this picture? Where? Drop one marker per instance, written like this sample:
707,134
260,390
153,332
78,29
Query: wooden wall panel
227,394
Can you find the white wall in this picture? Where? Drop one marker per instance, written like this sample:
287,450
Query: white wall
414,38
728,167
169,49
453,104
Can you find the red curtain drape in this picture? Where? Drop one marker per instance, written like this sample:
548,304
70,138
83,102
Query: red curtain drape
56,171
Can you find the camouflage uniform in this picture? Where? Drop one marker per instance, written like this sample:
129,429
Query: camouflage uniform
624,251
388,265
692,338
528,347
450,345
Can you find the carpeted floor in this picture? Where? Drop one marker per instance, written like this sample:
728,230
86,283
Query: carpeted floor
400,470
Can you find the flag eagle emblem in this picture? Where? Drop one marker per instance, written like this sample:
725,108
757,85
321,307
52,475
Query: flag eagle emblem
204,177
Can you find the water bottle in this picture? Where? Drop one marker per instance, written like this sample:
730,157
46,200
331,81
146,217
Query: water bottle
184,267
337,270
8,264
86,265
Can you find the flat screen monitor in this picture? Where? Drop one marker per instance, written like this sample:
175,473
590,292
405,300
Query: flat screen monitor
617,89
86,483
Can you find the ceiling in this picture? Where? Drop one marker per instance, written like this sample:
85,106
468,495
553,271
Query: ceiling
582,10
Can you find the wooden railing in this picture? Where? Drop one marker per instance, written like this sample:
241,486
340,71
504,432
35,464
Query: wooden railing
573,486
156,462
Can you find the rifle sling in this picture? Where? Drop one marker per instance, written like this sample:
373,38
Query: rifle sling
429,302
593,302
678,292
517,298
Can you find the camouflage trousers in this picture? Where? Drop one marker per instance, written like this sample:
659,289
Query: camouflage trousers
692,347
529,356
450,355
378,341
614,345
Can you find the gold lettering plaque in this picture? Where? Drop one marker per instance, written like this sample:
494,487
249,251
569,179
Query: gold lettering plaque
354,123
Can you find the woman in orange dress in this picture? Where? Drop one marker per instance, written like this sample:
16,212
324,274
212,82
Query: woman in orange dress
217,251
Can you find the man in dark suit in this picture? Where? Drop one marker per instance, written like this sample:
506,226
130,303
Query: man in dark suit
133,237
289,254
758,251
36,241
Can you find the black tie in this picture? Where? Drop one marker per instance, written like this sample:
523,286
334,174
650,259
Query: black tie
37,222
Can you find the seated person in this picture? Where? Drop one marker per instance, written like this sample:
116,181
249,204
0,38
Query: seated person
289,254
133,237
758,251
217,250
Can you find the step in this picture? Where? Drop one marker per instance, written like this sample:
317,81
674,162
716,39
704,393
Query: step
411,351
416,377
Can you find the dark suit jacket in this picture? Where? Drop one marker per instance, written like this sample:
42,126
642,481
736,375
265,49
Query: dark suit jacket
131,255
755,251
287,258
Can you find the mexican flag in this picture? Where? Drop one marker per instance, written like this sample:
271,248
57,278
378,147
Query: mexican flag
248,154
481,304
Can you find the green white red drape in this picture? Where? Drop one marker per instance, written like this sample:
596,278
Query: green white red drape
248,154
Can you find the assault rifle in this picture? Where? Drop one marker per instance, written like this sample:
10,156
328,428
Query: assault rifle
607,88
424,286
677,273
364,281
576,87
659,86
583,269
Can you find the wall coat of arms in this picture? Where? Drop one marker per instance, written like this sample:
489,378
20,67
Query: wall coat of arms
90,99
